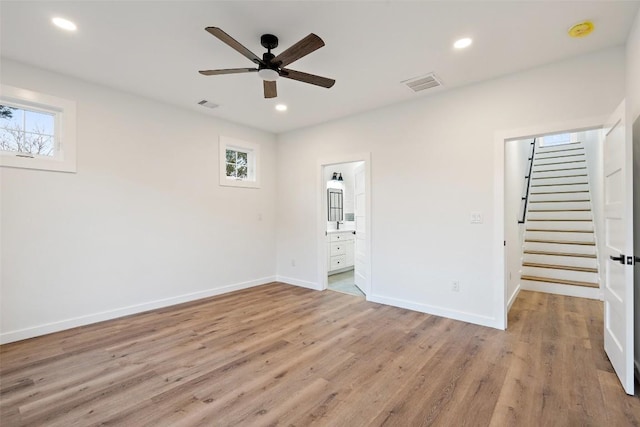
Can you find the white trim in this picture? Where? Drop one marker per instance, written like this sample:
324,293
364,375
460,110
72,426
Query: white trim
500,137
88,319
65,122
321,209
436,311
559,289
253,162
513,297
298,282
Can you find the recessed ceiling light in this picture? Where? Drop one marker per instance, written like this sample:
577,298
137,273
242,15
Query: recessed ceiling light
65,24
281,107
462,43
581,29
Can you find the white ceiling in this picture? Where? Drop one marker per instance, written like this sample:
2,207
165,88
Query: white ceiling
155,48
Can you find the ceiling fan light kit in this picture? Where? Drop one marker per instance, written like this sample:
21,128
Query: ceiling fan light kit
271,67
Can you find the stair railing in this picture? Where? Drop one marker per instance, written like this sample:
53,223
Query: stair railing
525,198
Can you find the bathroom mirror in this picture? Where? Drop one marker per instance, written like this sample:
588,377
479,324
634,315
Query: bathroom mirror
334,204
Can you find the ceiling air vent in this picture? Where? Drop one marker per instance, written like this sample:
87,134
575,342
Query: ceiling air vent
207,104
423,82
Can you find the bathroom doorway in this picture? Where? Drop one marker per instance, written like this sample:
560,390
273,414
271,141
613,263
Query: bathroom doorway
345,227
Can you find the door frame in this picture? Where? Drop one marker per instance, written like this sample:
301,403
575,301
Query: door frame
323,247
501,298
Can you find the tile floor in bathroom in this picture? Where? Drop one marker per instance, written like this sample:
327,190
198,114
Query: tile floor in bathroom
344,282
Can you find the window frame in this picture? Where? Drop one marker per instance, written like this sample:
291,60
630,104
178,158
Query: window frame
64,112
253,162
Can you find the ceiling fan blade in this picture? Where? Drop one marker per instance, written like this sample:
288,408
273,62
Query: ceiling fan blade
226,38
270,90
307,78
227,71
298,50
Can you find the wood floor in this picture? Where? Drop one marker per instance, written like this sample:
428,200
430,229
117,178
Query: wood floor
279,354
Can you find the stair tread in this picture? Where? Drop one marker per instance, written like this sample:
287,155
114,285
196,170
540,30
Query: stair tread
558,151
559,176
557,163
546,230
557,170
559,210
560,281
557,185
558,157
559,201
560,242
560,192
570,254
560,267
560,219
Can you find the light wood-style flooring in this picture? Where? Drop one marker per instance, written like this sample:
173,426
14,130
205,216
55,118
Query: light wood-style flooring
283,355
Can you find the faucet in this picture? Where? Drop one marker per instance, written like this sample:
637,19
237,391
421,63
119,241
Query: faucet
338,224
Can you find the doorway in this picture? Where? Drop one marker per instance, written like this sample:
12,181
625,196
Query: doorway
344,225
505,274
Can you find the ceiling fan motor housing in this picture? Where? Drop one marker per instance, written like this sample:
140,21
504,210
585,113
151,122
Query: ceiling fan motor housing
269,41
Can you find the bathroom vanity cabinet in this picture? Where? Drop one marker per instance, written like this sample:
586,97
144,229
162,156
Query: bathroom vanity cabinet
340,251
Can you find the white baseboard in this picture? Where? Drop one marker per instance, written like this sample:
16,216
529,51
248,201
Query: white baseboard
298,282
558,289
513,297
47,328
437,311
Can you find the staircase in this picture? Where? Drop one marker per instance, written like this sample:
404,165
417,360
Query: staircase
559,251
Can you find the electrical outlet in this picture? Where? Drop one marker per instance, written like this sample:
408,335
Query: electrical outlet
293,263
455,286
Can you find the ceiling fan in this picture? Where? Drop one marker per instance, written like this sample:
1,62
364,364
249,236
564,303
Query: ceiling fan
270,67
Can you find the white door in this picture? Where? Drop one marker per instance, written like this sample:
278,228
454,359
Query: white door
360,250
618,280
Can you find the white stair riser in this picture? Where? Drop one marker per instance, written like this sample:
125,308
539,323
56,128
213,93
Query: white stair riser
563,147
547,235
556,206
558,181
544,176
560,225
561,260
578,249
554,288
558,196
560,215
555,188
575,168
565,157
553,164
551,273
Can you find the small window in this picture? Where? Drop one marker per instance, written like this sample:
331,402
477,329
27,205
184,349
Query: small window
37,131
27,132
238,163
558,139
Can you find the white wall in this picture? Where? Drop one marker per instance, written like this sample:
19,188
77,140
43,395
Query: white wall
633,114
633,70
143,223
594,151
516,155
432,165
